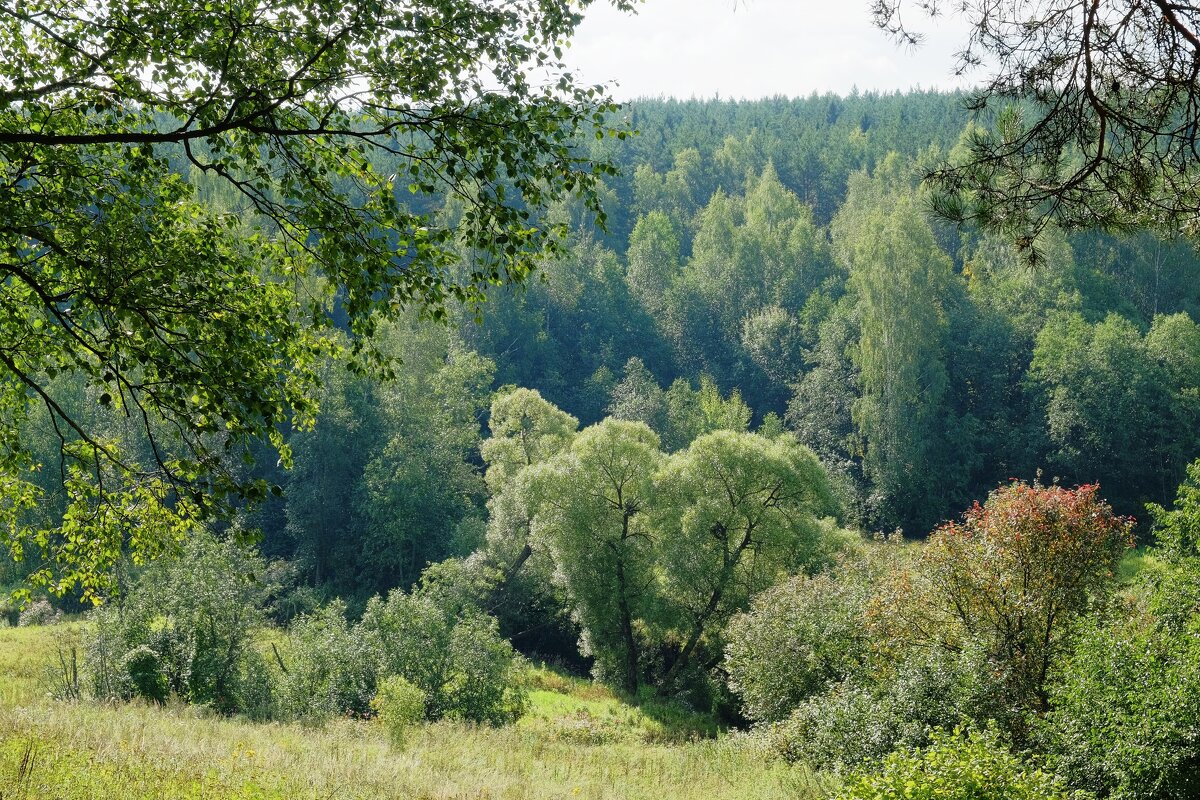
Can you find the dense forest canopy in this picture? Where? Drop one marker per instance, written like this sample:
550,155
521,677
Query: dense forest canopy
766,266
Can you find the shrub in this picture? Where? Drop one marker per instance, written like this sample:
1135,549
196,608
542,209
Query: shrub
62,673
1126,712
456,657
256,689
399,705
1176,585
104,656
329,670
10,613
802,635
185,624
863,719
40,612
957,766
147,678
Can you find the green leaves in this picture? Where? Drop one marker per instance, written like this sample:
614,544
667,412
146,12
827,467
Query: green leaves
902,281
202,310
1014,578
589,507
1125,708
653,552
958,765
457,659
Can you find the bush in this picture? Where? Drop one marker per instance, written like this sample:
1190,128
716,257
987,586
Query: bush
1176,584
399,705
803,635
863,719
146,677
183,628
1126,718
40,612
329,670
256,689
10,613
456,657
1014,578
957,766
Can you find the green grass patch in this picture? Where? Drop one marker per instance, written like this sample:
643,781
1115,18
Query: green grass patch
134,751
564,707
30,657
1134,563
579,740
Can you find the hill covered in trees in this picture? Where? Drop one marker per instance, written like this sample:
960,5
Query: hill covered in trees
771,266
691,458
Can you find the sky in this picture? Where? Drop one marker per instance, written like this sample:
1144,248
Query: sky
757,48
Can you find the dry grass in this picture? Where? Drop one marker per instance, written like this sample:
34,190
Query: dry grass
64,751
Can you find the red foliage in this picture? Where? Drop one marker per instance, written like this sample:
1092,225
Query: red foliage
1016,573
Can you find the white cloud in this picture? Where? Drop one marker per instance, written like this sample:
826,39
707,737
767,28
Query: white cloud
756,48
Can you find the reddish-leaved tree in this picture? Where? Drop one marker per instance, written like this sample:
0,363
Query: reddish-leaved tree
1013,578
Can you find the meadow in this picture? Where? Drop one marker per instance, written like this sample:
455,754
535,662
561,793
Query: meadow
577,740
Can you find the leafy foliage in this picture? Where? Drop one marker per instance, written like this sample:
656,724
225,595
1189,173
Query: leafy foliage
1176,596
1110,391
890,705
39,612
971,765
736,512
1124,714
526,429
399,705
1014,577
456,658
591,505
183,628
327,670
802,635
653,553
333,135
900,279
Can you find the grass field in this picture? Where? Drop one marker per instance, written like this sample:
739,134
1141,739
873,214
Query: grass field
578,741
25,656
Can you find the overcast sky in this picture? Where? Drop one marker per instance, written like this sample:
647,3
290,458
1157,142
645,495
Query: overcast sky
756,48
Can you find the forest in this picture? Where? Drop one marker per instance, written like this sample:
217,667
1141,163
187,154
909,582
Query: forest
773,447
386,413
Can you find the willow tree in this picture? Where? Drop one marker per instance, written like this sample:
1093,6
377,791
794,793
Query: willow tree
592,504
526,430
734,513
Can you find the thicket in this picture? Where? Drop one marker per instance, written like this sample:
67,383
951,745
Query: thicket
192,628
1009,625
185,627
959,765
